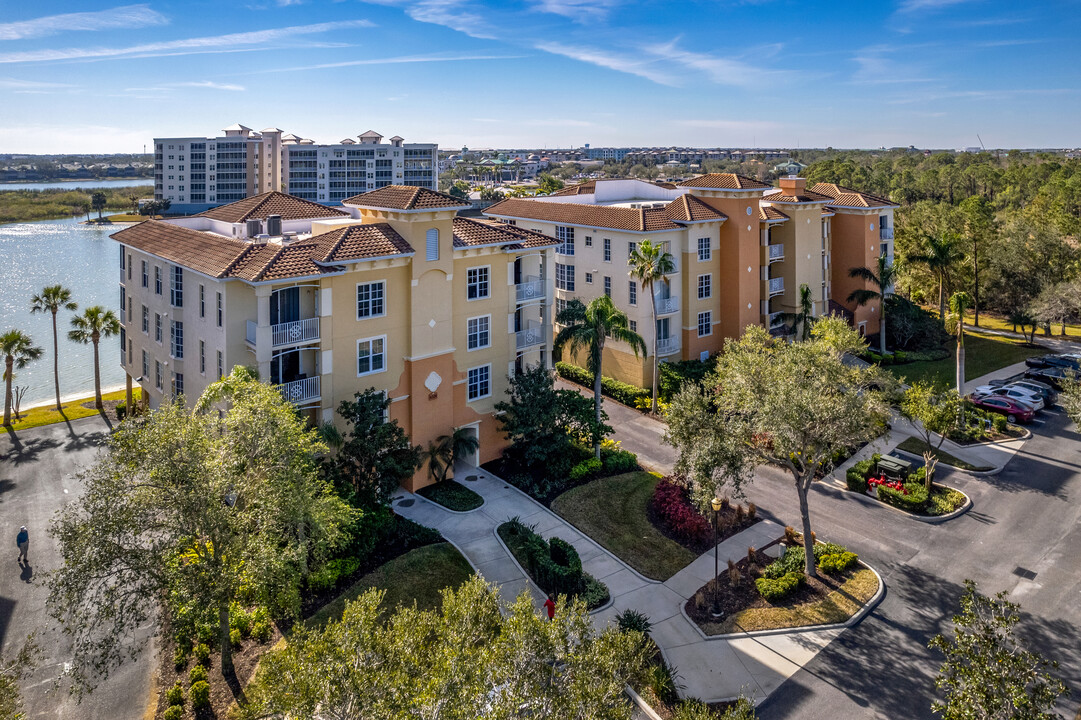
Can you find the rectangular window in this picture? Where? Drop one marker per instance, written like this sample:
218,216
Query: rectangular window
123,298
123,346
607,250
630,249
146,277
633,324
202,357
129,266
157,375
589,278
632,293
705,323
561,305
146,365
565,235
476,283
704,251
432,240
157,327
370,299
221,366
146,320
221,312
122,265
157,280
589,241
178,384
705,286
608,286
176,340
478,332
565,277
202,301
176,286
480,382
371,355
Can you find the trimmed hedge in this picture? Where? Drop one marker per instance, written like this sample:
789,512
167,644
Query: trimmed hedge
677,514
777,589
617,462
585,470
619,391
912,499
837,562
553,564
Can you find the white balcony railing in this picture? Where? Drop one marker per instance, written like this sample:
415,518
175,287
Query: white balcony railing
775,319
776,252
667,305
301,391
529,336
885,233
294,332
776,286
531,289
667,346
249,334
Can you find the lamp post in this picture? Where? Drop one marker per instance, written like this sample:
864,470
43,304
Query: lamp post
716,503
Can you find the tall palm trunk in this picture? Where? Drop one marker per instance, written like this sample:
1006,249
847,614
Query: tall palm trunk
653,301
97,373
8,371
960,361
597,395
882,328
56,362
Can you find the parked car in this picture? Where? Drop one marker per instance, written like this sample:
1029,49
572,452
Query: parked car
1068,361
1014,410
1050,397
1056,377
1028,397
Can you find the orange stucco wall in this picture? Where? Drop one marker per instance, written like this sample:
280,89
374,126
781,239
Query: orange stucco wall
852,240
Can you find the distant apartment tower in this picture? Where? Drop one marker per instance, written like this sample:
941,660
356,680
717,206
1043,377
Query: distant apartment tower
197,173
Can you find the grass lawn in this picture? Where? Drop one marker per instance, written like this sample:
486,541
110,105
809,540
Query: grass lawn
119,218
836,607
612,511
997,322
983,354
452,495
47,414
916,446
417,576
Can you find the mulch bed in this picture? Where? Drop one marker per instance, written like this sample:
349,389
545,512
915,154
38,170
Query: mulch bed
1013,432
108,405
728,527
745,595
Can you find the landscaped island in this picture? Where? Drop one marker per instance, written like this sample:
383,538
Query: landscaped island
30,205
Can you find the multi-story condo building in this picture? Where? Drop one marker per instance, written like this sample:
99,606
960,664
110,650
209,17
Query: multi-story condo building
742,249
391,291
198,173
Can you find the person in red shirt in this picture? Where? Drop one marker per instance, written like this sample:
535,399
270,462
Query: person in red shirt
550,607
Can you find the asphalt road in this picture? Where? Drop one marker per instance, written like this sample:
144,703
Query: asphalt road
37,477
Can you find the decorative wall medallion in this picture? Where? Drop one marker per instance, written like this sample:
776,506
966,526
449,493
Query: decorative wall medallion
433,381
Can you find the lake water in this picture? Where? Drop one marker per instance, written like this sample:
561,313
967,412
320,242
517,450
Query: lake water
83,259
75,184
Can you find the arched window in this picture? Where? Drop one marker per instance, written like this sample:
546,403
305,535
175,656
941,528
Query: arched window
433,244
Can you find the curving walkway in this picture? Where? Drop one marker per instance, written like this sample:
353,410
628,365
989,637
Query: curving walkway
713,669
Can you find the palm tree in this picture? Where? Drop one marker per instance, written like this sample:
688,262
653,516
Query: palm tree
941,256
959,302
446,450
95,323
98,200
18,350
805,317
883,280
651,264
53,299
587,328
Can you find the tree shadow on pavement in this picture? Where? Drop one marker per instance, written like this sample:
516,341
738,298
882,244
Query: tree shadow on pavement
26,452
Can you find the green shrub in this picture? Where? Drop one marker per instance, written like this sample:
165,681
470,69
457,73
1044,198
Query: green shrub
121,410
235,638
662,683
331,573
855,480
691,709
175,695
618,461
823,549
944,500
202,654
594,593
675,375
200,694
180,659
900,356
791,561
619,391
206,633
197,673
914,502
261,630
553,564
240,619
174,712
585,470
1000,423
631,619
873,357
779,588
836,562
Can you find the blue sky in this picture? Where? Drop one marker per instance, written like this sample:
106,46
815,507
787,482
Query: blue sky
108,77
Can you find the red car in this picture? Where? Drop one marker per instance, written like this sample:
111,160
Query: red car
1013,410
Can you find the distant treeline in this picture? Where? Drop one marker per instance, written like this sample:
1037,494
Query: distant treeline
28,205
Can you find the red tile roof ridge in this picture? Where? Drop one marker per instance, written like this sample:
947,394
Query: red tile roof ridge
290,207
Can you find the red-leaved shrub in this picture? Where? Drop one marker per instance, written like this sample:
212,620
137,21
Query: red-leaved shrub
680,518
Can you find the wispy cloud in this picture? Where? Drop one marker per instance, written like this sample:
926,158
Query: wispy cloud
1011,42
17,84
453,14
128,17
580,11
719,70
915,6
875,65
406,59
633,65
209,84
188,46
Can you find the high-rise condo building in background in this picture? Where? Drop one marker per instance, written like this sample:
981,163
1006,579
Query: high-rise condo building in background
198,173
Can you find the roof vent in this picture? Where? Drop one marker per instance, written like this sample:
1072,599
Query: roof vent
274,225
261,239
289,237
254,227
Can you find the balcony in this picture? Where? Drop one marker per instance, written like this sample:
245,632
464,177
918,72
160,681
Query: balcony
531,289
299,392
667,305
775,319
531,335
776,252
283,334
885,233
667,346
776,286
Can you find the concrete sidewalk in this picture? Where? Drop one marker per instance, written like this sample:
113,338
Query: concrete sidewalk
713,669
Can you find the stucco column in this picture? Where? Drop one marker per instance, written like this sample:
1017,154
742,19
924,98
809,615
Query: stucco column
263,350
127,391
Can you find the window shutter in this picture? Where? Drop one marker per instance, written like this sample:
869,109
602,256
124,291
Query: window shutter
433,244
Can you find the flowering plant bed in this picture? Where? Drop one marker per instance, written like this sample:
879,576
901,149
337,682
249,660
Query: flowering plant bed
672,511
911,495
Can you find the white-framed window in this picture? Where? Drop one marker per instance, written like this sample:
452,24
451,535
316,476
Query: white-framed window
431,240
202,301
157,280
479,383
178,384
176,286
202,357
608,286
371,355
122,265
123,298
478,332
157,327
607,250
630,249
589,278
146,276
129,266
565,277
477,285
561,305
589,241
157,375
221,311
705,286
632,293
565,235
705,323
633,325
124,346
704,251
146,364
176,339
371,299
221,366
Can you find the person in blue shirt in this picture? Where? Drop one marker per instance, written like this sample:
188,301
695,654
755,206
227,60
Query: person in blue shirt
23,541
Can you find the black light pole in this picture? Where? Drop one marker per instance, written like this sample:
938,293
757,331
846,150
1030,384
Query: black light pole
716,557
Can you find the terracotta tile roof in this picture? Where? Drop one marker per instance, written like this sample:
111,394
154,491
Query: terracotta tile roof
770,213
203,252
803,196
471,232
361,242
271,203
600,216
406,197
278,262
585,188
688,208
724,181
847,197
